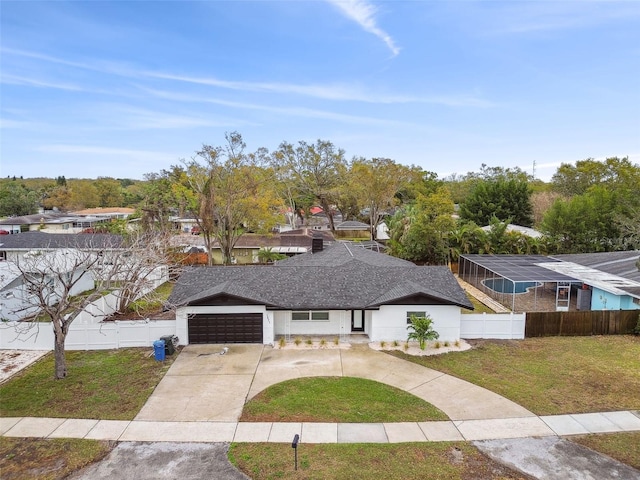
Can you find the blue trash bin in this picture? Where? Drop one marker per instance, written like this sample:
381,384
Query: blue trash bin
158,350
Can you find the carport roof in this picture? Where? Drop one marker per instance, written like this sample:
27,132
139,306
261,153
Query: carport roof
520,268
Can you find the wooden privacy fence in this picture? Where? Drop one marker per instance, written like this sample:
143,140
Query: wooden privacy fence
596,322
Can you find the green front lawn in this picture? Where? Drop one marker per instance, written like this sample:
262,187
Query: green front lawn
553,375
101,384
337,399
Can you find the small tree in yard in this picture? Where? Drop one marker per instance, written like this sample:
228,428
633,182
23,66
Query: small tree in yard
422,330
59,284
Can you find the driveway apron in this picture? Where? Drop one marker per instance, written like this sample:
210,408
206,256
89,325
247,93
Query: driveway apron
203,385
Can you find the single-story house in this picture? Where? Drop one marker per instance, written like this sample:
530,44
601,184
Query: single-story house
338,291
111,213
14,246
51,222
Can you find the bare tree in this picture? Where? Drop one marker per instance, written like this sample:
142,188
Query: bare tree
57,285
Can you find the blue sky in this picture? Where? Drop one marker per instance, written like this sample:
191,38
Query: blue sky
125,88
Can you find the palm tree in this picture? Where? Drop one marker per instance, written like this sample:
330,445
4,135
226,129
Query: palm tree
422,330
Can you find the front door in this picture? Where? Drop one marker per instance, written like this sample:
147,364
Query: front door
357,320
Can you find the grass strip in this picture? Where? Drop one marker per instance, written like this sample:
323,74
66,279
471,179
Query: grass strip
337,399
47,459
553,375
407,461
101,384
624,447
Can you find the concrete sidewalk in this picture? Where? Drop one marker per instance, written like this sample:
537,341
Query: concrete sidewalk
208,432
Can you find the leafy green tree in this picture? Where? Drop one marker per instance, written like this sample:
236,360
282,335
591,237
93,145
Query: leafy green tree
83,194
234,193
502,198
375,184
570,180
420,232
109,192
583,223
17,200
315,170
422,330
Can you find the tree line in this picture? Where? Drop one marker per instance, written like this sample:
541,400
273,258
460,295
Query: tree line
591,206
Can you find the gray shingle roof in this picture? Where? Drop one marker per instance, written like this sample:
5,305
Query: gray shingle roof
337,278
41,240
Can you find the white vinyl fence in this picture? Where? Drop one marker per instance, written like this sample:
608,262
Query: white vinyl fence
101,336
493,325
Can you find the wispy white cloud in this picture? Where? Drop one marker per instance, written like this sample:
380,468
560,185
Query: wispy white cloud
531,17
363,13
329,91
288,111
333,91
34,82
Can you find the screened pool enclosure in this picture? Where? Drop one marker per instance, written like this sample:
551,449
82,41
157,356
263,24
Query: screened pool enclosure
520,282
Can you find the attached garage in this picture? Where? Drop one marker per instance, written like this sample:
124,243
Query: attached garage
225,328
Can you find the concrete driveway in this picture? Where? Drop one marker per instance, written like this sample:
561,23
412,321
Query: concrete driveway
203,385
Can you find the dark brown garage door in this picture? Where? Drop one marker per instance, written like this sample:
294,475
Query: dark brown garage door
225,328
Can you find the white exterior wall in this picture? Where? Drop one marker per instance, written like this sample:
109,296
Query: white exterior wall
390,322
339,323
182,315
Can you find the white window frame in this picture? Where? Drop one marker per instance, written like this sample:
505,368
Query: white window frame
415,314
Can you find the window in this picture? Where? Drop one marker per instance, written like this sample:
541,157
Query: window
320,316
415,314
308,316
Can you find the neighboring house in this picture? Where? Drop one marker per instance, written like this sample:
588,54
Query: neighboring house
293,242
334,292
18,300
587,281
110,213
185,225
51,222
14,246
611,280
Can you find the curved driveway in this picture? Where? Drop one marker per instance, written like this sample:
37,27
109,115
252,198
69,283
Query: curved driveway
203,385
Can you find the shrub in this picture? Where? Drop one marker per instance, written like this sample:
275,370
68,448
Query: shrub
282,342
297,341
422,330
